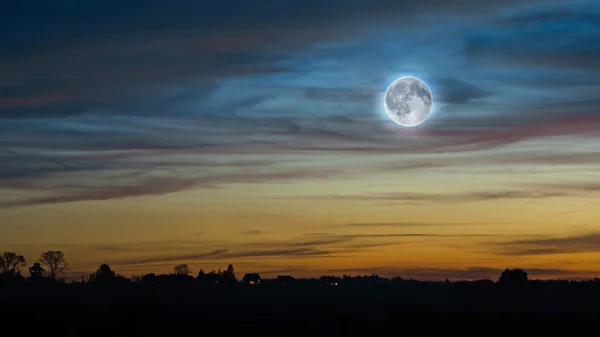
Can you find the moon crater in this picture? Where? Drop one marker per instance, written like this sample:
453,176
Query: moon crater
408,101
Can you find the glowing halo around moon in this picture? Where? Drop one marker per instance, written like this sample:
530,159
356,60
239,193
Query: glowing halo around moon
408,101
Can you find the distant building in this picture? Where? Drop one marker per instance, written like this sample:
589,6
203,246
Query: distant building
331,281
285,280
251,279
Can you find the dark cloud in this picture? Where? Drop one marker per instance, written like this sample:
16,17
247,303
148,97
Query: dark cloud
368,245
253,232
407,224
319,242
303,242
306,246
431,140
364,240
515,162
74,193
174,258
341,94
454,198
414,235
554,159
590,186
274,272
455,91
106,187
584,243
556,37
71,21
392,235
306,252
224,254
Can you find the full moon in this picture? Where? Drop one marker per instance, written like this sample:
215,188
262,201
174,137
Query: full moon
408,101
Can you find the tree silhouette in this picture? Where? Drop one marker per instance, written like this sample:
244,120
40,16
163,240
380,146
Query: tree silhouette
213,277
10,263
56,263
182,269
513,278
36,272
149,278
103,274
229,274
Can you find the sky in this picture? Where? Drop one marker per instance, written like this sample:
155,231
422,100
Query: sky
148,134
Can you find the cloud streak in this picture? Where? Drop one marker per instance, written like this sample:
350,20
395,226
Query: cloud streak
526,42
478,196
35,169
584,243
308,246
408,224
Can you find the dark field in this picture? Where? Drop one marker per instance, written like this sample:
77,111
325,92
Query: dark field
406,308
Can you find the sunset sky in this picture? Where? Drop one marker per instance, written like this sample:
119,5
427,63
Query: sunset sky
147,134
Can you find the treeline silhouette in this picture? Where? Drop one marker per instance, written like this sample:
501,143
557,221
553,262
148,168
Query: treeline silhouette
222,304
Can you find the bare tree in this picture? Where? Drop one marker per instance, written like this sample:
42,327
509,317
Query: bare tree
10,262
182,269
56,263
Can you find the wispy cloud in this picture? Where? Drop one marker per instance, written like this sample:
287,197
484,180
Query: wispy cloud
173,258
225,254
147,187
103,189
407,224
253,232
34,169
584,243
451,198
309,246
526,36
455,91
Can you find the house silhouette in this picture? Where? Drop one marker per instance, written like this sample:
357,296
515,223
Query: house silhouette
284,280
251,279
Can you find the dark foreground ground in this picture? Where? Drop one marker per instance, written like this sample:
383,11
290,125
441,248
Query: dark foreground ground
411,309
